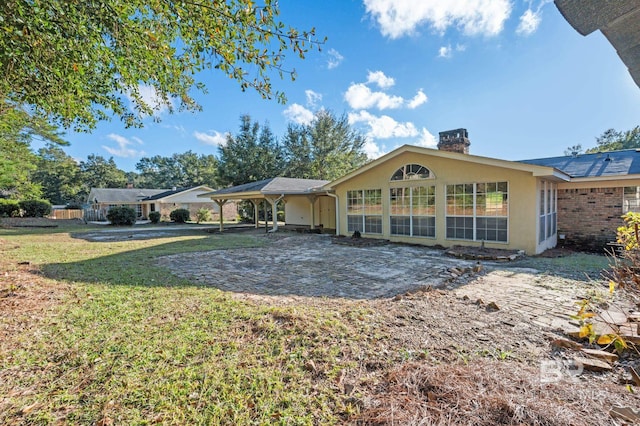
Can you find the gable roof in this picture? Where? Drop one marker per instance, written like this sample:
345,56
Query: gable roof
172,192
601,164
122,195
135,195
272,186
534,169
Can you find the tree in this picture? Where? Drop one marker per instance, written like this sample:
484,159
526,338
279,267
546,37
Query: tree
251,155
612,140
573,150
78,62
97,172
179,170
327,148
17,130
58,174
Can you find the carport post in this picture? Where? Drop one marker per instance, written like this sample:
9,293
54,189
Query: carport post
221,203
256,206
312,199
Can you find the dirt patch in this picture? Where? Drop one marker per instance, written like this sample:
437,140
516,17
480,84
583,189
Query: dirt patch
37,222
483,253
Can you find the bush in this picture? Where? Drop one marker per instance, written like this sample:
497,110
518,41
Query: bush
121,216
9,208
35,208
203,215
154,217
180,215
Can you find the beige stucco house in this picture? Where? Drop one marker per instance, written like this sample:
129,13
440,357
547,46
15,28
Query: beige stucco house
447,197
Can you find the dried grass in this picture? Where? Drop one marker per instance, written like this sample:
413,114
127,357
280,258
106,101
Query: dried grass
484,393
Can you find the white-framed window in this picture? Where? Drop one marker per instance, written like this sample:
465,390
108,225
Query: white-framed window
631,199
478,211
364,211
138,208
413,211
412,172
548,210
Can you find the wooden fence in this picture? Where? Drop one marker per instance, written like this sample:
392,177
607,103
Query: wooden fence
66,214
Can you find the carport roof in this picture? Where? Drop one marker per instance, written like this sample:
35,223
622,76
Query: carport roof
272,186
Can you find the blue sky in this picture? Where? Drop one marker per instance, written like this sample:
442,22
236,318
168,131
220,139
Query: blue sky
514,73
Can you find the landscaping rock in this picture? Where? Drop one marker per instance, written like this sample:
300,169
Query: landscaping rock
602,355
566,344
590,364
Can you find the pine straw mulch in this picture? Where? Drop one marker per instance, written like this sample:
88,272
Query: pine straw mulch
484,393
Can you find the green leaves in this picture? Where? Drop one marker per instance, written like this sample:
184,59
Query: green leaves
81,62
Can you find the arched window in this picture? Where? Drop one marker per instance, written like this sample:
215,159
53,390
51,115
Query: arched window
411,172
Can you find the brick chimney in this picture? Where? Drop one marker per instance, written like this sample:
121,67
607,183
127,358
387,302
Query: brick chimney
454,141
129,185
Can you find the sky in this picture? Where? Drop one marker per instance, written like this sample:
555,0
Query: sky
514,73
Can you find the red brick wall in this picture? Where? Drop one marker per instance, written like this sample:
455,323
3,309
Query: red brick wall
589,217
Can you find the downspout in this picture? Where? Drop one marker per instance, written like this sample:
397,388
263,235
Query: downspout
337,211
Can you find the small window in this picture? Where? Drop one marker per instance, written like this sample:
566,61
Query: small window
412,172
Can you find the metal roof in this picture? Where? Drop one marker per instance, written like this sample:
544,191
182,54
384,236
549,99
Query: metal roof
619,21
601,164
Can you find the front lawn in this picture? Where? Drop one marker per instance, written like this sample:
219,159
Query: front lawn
127,343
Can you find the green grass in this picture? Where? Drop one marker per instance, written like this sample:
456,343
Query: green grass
132,344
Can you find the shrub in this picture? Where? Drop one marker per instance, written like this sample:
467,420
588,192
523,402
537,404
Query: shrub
9,208
35,208
180,215
121,215
203,215
154,217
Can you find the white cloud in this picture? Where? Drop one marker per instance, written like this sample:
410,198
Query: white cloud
380,79
372,149
150,97
123,149
298,114
313,98
335,59
359,96
444,52
212,138
460,47
383,126
417,100
529,23
427,139
398,18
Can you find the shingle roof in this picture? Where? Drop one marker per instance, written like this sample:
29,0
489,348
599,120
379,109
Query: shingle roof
277,185
167,193
614,163
619,21
122,195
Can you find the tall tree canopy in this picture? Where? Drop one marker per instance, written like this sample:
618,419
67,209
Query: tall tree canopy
251,155
327,148
613,140
98,172
17,129
78,62
179,170
58,174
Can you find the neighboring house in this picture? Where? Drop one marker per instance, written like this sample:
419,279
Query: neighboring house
164,201
448,197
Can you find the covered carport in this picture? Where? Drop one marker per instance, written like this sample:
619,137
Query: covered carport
306,204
